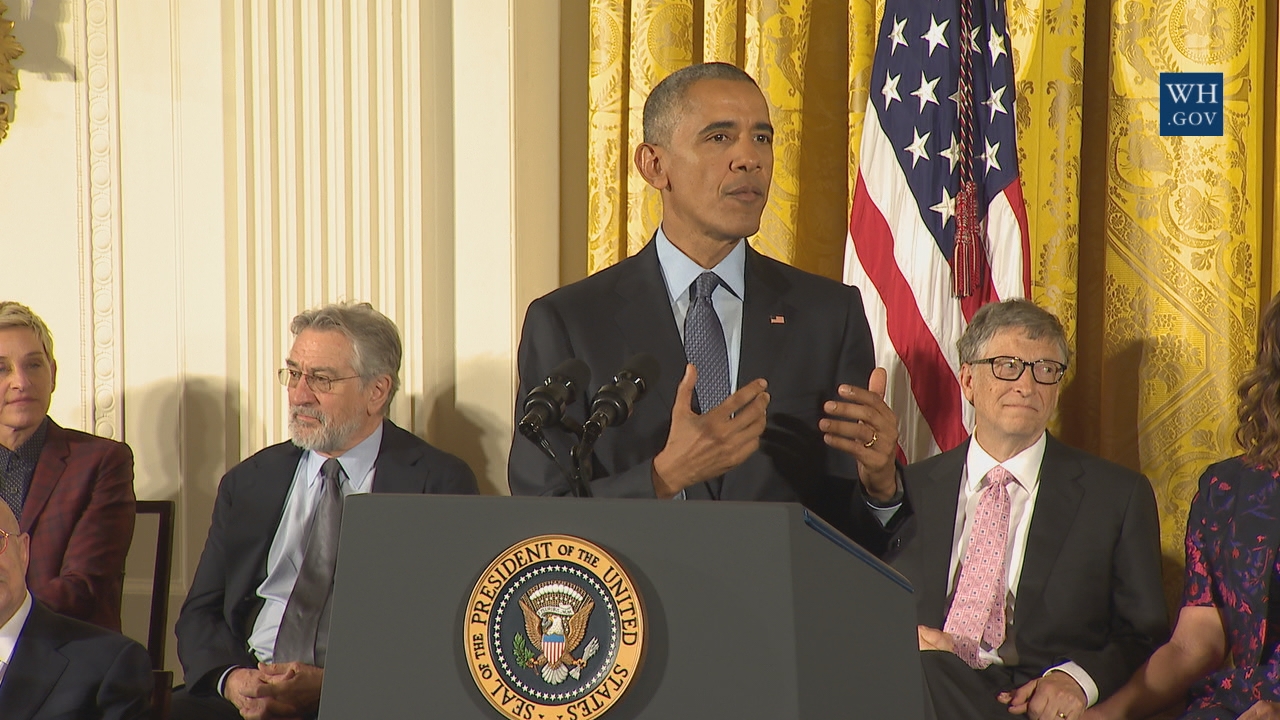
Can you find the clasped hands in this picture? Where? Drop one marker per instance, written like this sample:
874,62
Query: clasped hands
702,447
1054,696
275,691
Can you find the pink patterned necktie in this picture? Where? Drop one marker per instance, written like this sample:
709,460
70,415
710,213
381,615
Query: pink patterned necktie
977,608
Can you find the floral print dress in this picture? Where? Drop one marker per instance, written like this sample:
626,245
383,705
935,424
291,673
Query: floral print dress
1233,530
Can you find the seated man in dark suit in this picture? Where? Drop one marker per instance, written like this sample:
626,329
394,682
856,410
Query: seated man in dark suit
778,399
54,667
253,632
1036,566
72,492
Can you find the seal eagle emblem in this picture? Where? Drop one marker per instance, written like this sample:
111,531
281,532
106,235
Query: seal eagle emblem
556,614
555,628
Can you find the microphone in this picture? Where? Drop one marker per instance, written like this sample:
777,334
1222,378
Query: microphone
613,403
546,403
611,406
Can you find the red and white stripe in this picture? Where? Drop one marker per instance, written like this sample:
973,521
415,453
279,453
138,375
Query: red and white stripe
906,288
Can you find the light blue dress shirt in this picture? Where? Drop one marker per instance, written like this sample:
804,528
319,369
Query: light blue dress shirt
679,272
285,556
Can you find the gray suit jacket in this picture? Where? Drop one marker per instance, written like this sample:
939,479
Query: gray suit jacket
1090,589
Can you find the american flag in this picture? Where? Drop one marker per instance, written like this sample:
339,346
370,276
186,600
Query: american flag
938,227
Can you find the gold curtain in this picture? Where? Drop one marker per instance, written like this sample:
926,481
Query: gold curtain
1156,252
1177,238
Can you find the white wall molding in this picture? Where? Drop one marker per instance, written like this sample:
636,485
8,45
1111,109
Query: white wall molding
334,167
99,151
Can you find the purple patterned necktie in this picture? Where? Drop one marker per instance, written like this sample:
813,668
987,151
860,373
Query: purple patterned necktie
704,344
977,608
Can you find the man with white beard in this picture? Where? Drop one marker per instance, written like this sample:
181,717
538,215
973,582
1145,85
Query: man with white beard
253,632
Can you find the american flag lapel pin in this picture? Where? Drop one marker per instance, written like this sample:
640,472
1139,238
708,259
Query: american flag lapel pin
777,320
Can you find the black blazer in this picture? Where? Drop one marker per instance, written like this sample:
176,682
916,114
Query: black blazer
215,622
65,669
803,333
1090,588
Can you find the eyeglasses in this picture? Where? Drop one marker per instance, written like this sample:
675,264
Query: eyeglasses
1005,367
4,541
318,383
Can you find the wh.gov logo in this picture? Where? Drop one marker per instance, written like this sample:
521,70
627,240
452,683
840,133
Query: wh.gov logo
1191,104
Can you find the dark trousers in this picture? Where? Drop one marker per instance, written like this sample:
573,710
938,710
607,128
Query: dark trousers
958,692
186,706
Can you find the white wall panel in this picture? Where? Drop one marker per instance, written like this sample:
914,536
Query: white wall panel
192,173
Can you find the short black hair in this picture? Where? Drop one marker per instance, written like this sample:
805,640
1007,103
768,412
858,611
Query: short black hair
661,109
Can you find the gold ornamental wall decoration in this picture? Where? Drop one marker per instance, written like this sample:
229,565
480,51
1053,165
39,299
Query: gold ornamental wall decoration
9,51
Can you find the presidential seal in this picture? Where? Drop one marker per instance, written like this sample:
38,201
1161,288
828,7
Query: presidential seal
555,630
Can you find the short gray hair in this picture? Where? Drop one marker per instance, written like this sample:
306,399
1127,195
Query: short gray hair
374,338
16,315
662,107
991,318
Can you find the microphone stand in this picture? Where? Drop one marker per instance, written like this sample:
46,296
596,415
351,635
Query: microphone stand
581,456
533,433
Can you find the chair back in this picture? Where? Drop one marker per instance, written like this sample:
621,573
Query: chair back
158,623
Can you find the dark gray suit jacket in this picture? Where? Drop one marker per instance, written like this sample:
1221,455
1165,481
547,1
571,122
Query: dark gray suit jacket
803,333
215,622
65,669
1090,588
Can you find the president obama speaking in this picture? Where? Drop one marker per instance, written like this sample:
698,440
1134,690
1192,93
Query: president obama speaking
762,391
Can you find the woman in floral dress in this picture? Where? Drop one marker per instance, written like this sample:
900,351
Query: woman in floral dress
1222,658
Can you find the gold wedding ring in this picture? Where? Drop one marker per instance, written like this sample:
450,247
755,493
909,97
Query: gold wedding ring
874,436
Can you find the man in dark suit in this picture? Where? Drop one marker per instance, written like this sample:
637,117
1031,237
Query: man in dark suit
72,491
1036,566
253,632
54,667
777,360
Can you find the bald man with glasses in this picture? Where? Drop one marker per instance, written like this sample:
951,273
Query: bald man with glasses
53,666
1036,565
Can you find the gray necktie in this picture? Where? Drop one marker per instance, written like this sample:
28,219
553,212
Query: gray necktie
704,343
704,346
304,629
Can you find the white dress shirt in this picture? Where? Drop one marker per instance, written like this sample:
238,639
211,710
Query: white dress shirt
1025,468
284,559
9,633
